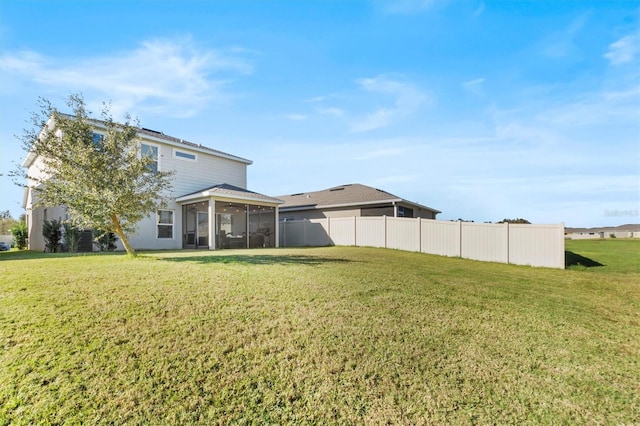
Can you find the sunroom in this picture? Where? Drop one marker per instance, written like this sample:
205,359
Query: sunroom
228,217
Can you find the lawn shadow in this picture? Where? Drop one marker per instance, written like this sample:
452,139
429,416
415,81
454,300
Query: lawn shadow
574,259
256,259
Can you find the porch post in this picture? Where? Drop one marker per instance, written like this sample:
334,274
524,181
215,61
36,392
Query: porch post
212,224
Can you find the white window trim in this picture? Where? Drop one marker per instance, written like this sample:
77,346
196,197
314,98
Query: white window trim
172,224
176,156
152,144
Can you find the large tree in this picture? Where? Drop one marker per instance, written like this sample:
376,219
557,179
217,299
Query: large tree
102,178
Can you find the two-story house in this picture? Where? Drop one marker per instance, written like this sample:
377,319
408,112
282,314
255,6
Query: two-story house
209,206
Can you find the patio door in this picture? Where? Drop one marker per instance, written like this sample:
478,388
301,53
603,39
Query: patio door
195,226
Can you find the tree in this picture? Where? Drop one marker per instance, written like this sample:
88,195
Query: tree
104,181
19,232
518,220
6,222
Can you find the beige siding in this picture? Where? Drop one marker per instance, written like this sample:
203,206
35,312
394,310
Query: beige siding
205,172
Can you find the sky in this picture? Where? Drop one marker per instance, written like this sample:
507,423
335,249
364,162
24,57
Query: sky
484,110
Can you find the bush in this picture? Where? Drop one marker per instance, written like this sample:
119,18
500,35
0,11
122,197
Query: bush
106,241
71,237
52,233
20,234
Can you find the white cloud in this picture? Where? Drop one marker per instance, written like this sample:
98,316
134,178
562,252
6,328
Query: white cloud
407,6
171,77
296,117
333,111
623,50
406,100
474,86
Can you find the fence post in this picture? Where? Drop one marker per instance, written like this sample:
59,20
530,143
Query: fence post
355,231
385,231
508,246
419,235
460,236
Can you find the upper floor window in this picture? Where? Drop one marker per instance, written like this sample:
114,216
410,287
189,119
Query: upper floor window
183,155
97,138
151,151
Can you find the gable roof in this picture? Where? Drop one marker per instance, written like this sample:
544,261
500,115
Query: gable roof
343,196
225,190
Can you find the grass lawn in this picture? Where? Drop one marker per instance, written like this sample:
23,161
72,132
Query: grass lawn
319,335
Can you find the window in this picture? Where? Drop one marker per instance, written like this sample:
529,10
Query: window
184,155
97,138
150,151
165,223
405,211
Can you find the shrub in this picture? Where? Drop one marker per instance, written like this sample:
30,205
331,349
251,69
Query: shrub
20,234
71,237
106,241
52,233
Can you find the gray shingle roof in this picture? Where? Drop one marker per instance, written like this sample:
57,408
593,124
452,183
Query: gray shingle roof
343,195
232,191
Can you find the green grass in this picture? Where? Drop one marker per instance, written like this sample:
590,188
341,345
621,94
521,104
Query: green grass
322,335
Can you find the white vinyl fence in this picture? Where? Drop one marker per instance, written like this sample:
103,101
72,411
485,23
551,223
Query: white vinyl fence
519,244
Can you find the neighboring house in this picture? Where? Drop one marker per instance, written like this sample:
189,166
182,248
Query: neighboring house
622,231
350,200
209,206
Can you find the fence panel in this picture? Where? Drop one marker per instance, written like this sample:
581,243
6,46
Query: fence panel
441,238
537,245
403,233
485,241
316,233
370,231
343,231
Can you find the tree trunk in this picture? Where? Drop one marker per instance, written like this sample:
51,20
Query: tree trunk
118,230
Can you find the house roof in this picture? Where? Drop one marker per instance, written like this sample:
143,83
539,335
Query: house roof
228,191
159,137
343,196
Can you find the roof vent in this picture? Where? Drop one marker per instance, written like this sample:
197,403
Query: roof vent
152,131
337,189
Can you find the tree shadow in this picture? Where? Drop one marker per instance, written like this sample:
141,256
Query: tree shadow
574,259
256,259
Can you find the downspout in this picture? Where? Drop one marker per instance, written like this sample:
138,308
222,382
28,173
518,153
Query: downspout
395,209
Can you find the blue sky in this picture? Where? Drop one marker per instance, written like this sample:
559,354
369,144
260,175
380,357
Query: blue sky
484,110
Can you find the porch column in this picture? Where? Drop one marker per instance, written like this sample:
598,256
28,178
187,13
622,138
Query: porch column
212,224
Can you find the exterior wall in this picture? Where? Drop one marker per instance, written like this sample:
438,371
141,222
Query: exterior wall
534,245
190,176
319,214
146,236
35,219
206,171
350,212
